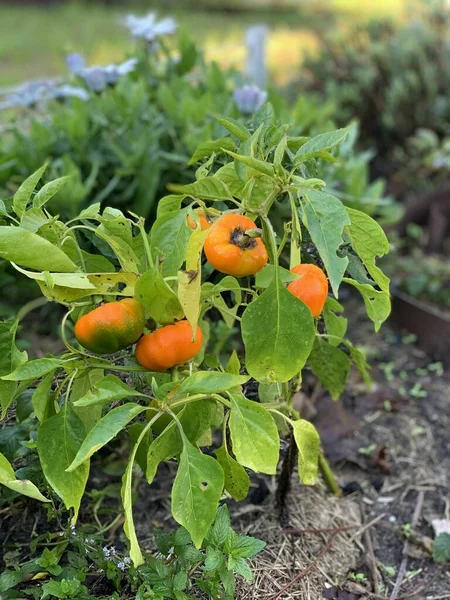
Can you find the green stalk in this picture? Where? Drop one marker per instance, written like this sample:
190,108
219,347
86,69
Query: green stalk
328,475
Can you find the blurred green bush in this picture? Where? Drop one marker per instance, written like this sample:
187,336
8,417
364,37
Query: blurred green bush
395,81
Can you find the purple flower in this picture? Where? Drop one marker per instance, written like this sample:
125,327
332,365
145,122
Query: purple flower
148,28
249,98
69,91
121,565
75,63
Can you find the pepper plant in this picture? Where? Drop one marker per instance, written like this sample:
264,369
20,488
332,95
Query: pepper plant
197,411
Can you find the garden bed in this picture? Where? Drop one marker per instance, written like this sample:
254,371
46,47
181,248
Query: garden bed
388,447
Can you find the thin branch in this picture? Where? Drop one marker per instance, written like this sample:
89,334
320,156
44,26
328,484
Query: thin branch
308,568
404,563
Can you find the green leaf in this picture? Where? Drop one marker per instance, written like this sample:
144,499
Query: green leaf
214,559
108,389
196,492
169,238
22,486
49,190
134,431
243,569
246,546
168,204
234,364
66,280
278,334
237,481
195,419
308,444
441,548
254,436
127,502
207,148
209,382
10,358
189,281
43,399
234,127
124,252
208,188
104,431
83,382
29,250
359,360
320,143
265,277
59,439
378,303
325,218
330,365
158,298
254,163
335,325
221,529
34,369
368,240
23,194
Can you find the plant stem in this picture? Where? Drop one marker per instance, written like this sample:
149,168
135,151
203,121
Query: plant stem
328,475
32,305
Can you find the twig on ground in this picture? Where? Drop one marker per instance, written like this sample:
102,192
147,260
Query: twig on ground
404,563
366,526
327,530
369,549
308,568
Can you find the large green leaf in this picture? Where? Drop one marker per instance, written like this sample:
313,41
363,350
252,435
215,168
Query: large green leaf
319,144
278,334
104,431
325,218
237,481
196,492
48,190
368,241
29,250
209,188
169,237
195,419
34,369
254,436
234,127
43,398
330,365
209,382
108,389
59,439
23,194
10,358
22,486
127,501
158,298
83,382
216,146
308,444
335,325
378,302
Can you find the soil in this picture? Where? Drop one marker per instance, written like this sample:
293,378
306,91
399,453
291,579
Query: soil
388,447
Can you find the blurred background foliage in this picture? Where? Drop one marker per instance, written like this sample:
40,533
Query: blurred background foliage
126,129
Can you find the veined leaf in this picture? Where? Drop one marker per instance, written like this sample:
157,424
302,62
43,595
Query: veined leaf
158,298
209,382
169,238
23,194
34,369
196,492
336,325
208,188
308,444
331,366
10,359
368,240
378,302
325,218
108,389
234,127
49,190
210,147
254,435
22,486
104,431
320,143
237,481
278,333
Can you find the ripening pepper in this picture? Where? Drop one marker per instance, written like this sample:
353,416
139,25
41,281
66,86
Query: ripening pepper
111,327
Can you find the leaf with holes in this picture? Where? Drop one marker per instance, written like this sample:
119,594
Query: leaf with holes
196,492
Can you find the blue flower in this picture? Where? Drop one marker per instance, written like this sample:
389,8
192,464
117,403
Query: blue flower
249,98
68,91
121,565
97,77
28,94
75,62
148,28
